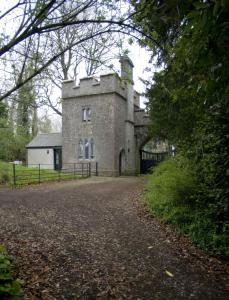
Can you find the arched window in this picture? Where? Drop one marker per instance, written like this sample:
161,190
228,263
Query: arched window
92,148
86,149
80,149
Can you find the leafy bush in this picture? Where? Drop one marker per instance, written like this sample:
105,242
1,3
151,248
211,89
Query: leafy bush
169,190
4,173
9,288
173,194
4,178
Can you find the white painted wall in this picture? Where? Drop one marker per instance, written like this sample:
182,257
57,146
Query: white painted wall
44,157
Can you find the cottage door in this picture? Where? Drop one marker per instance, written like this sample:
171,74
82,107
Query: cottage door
57,159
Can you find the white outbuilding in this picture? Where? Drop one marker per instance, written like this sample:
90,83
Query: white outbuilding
45,150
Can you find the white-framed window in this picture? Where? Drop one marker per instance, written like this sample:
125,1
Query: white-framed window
86,114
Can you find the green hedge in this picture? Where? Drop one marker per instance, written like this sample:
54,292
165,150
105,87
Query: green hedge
173,195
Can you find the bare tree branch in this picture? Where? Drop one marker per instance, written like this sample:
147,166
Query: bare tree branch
40,18
38,71
11,9
50,104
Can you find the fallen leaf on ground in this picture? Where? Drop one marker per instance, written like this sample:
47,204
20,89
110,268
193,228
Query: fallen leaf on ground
169,273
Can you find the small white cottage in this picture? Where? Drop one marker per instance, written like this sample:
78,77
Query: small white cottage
45,149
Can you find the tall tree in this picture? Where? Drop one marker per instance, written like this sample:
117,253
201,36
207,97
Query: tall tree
36,19
26,101
7,142
188,100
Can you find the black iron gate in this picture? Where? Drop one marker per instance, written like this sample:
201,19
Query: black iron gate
150,159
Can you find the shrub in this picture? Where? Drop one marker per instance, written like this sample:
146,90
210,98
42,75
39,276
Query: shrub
4,172
173,194
9,288
170,188
4,178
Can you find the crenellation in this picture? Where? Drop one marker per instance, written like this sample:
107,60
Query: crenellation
96,81
67,86
108,83
86,84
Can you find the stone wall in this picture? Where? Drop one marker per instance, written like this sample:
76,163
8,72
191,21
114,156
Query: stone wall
100,128
106,84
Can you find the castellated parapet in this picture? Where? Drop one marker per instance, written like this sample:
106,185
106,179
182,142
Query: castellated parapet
108,83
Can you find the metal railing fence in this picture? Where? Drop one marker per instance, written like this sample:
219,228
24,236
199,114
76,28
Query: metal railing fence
37,173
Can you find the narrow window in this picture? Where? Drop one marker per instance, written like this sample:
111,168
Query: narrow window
86,149
92,148
84,114
88,114
80,149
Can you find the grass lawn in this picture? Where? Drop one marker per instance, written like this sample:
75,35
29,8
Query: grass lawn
25,176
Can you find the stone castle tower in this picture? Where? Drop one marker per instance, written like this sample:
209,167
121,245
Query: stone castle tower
102,122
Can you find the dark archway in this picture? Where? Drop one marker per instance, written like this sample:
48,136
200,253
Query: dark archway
148,160
151,154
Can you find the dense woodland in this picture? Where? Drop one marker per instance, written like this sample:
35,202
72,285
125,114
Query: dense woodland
188,97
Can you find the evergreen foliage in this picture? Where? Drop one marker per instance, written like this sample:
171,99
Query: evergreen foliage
188,104
171,195
12,144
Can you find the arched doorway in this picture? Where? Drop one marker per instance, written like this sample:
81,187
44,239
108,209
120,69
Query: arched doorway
151,154
121,162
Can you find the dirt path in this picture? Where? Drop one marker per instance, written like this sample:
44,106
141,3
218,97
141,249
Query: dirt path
90,240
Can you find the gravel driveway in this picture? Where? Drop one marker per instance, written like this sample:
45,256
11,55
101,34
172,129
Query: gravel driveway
91,239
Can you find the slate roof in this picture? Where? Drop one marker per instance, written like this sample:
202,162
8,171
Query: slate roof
46,140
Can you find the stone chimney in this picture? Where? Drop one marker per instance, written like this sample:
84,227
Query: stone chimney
126,68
